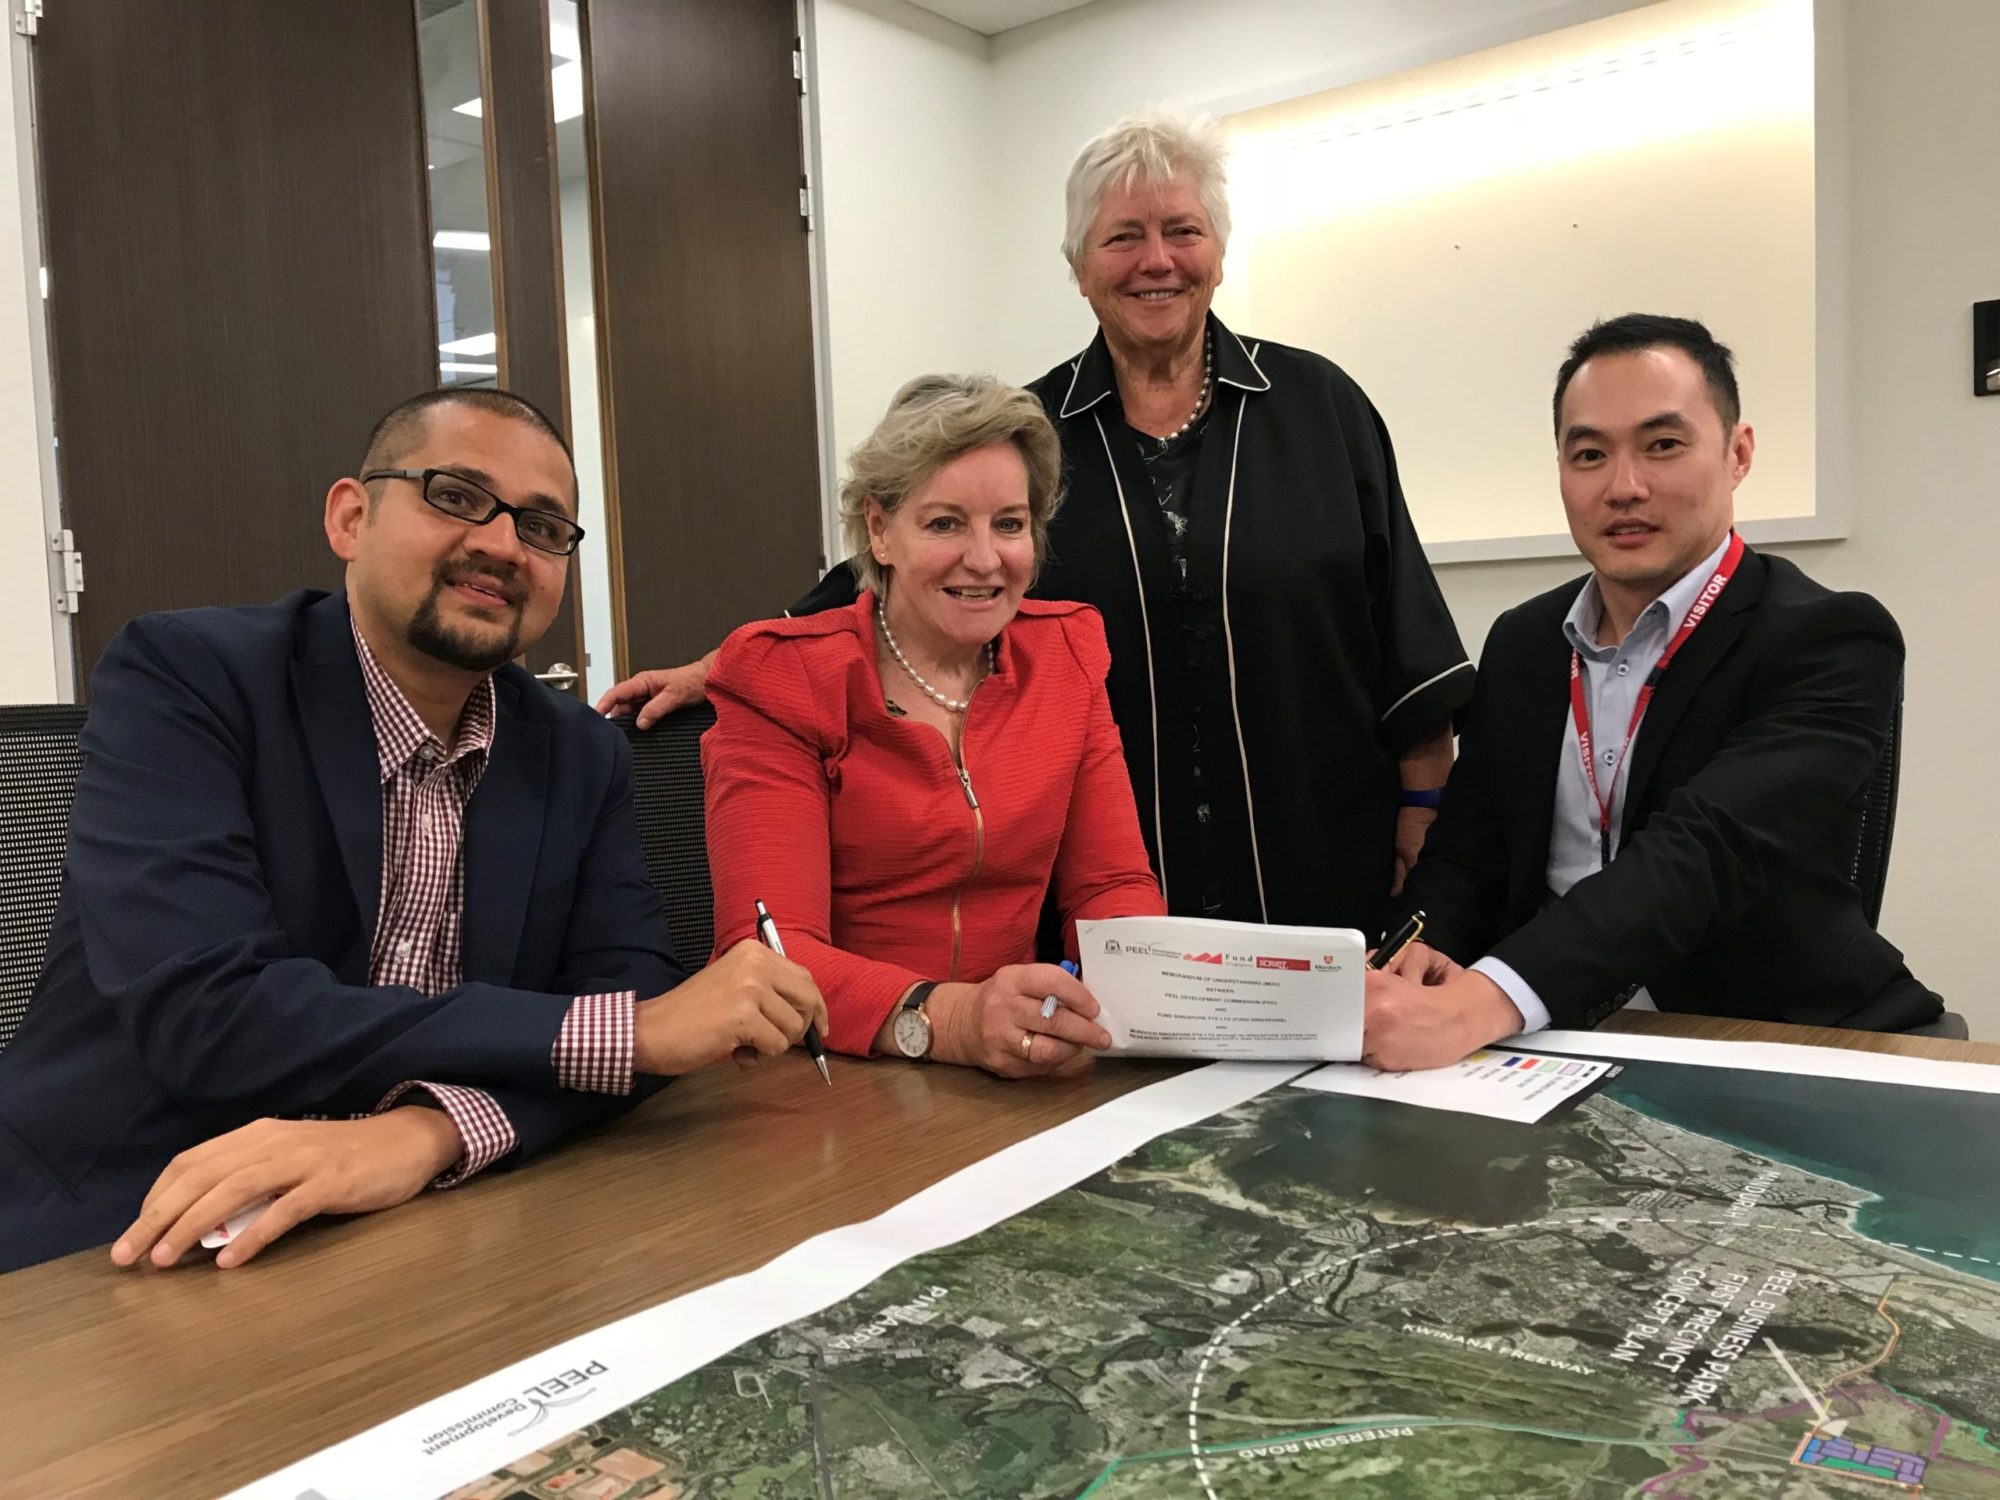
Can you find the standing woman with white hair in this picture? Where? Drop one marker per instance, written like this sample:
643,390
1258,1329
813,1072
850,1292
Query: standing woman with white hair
1284,671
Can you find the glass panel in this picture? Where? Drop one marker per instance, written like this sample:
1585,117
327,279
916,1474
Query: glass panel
580,314
468,352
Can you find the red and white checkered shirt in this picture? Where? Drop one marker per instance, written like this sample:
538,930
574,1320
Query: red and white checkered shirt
425,788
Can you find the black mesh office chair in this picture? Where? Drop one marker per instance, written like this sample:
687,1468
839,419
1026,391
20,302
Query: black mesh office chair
39,758
673,828
1870,870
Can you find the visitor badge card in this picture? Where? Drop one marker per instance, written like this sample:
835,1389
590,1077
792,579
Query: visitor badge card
1503,1085
1185,987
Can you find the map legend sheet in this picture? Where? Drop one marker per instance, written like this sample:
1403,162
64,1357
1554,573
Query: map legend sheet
1500,1084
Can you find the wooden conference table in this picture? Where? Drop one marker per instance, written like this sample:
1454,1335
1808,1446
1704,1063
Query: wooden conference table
194,1381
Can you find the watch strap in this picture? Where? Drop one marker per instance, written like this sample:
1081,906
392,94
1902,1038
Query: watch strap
917,996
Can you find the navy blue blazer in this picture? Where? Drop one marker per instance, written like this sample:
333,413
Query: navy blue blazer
209,960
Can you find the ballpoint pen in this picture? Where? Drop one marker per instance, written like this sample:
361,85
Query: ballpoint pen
1049,1005
1395,943
768,931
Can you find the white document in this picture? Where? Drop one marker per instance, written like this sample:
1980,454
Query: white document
1496,1082
1185,987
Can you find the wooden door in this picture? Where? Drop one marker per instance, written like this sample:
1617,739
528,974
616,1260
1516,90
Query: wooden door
519,119
704,318
238,234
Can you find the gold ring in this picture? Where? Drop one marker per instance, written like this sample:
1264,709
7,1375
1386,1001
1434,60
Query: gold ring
1028,1045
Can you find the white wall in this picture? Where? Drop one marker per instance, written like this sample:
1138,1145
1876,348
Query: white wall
1919,242
1425,218
906,128
1922,244
27,636
1060,81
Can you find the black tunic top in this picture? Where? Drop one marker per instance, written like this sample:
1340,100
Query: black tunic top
1264,698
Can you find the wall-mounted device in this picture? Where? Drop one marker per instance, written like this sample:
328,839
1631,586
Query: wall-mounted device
1986,348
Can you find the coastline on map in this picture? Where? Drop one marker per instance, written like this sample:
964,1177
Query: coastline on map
1911,1150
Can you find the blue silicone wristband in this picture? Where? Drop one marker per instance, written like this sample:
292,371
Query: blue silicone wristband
1431,799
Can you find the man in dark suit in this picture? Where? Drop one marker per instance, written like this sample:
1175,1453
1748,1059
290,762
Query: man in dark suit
1661,775
352,905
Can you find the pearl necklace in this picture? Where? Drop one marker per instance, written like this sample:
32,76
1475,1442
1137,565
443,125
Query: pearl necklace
1201,401
950,705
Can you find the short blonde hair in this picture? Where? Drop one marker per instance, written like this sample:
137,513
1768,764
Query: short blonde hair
931,421
1149,146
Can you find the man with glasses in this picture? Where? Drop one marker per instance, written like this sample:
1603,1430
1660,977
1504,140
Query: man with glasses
352,904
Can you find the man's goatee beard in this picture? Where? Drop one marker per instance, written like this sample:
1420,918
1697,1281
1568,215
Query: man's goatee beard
429,634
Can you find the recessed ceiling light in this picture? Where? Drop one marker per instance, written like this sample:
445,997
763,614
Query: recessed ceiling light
565,95
478,343
462,239
566,91
455,367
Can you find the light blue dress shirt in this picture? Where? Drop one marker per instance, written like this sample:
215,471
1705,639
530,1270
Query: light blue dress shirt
1612,677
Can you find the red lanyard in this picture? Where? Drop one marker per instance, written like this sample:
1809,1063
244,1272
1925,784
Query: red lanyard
1579,709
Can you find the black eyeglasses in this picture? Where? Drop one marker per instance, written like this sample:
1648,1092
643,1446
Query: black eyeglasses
474,504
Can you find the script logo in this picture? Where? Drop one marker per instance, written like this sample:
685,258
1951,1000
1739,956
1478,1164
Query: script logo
1201,958
1283,963
565,1389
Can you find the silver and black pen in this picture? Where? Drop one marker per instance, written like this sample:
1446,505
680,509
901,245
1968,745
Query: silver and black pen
768,931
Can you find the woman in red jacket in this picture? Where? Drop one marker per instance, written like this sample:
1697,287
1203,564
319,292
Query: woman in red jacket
902,781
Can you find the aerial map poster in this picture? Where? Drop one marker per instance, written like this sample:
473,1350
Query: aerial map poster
1703,1280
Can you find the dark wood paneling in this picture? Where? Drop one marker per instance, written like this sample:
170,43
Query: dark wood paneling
704,318
238,238
524,218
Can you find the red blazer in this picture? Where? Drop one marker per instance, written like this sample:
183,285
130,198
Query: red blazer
854,828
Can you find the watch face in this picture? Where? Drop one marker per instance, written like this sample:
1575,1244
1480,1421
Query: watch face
913,1033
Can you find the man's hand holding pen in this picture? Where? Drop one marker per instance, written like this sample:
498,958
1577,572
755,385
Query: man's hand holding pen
767,933
749,1003
1422,964
1424,1010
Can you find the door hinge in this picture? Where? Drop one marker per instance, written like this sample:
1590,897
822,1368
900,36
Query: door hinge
28,17
69,570
805,204
798,60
